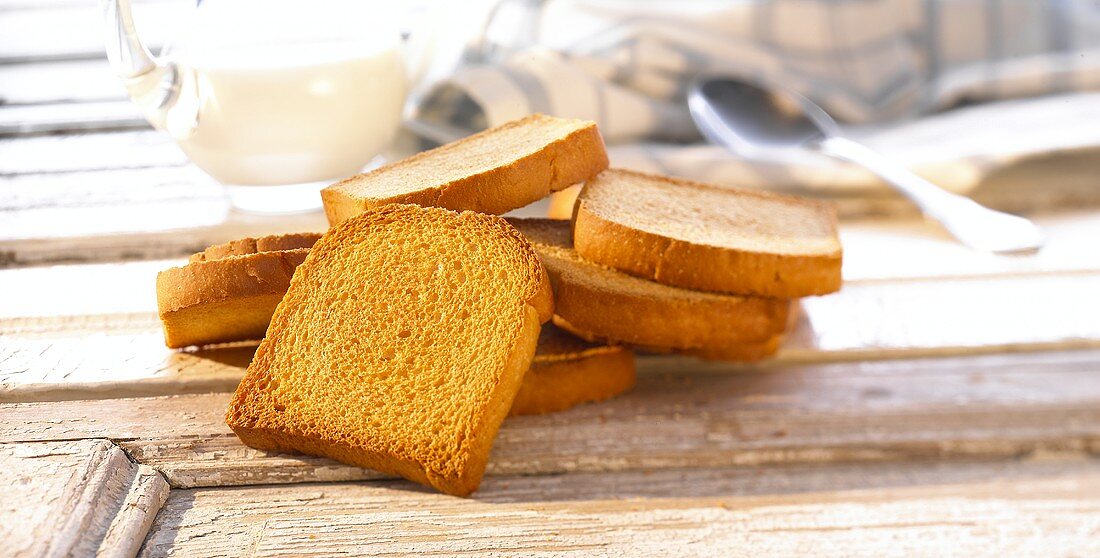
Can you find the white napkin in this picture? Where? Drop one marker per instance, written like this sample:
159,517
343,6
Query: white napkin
887,69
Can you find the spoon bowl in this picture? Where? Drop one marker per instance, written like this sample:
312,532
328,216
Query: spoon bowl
745,117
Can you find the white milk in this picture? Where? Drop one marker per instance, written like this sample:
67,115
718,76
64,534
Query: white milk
289,97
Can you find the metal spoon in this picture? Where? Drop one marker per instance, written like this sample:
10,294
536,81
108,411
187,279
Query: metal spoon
749,119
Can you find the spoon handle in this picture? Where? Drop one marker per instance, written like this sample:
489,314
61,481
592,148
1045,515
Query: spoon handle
926,195
972,223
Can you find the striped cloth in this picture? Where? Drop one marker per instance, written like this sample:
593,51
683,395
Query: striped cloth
887,69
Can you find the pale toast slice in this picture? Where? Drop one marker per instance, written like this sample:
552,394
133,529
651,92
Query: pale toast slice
748,352
568,371
494,171
400,345
699,236
611,305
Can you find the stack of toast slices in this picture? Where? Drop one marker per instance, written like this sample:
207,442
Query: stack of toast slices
401,338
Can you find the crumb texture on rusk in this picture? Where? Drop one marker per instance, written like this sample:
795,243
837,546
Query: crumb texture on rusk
400,345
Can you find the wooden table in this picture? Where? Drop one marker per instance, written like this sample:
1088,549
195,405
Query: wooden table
943,403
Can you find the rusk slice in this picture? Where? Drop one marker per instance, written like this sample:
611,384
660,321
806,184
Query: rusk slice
494,171
228,292
400,345
748,352
698,236
568,371
604,303
741,352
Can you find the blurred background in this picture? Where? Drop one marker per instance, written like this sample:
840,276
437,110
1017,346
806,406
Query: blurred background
983,97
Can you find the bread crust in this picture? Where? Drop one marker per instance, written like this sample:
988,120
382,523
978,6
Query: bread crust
574,158
561,381
697,266
500,403
229,299
674,323
541,299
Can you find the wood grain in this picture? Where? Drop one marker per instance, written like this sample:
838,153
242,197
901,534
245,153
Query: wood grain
75,498
37,83
158,214
991,314
996,406
71,118
1022,510
91,151
889,249
60,341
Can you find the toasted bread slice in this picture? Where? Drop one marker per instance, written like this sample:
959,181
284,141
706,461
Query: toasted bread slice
244,246
748,352
400,345
227,293
568,371
495,171
698,236
621,308
741,352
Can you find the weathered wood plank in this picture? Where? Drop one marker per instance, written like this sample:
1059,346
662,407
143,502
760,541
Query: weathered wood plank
148,492
885,249
869,320
992,406
143,214
102,189
990,510
52,82
152,244
91,151
75,498
54,118
93,332
156,230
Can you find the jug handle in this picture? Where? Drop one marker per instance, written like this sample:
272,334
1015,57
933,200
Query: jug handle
152,82
128,56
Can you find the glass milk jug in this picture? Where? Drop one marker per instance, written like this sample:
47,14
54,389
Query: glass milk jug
274,99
